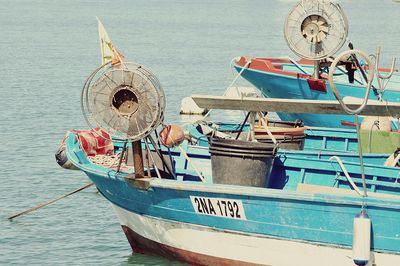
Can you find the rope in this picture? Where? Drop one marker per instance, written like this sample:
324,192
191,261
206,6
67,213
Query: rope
361,156
50,202
191,163
354,112
295,63
230,85
105,160
266,128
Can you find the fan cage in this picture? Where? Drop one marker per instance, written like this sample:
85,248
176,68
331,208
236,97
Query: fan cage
146,87
336,34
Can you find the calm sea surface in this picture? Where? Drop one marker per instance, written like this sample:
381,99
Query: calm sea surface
48,48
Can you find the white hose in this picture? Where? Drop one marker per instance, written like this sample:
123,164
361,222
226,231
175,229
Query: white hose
347,174
371,74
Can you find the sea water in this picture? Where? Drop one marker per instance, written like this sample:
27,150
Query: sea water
48,48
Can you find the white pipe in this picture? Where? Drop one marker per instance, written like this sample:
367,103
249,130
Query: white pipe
346,174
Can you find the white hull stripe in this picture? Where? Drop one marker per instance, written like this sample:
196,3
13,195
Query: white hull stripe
201,240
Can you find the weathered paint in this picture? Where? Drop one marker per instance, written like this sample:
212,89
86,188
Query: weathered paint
282,214
208,246
279,79
140,244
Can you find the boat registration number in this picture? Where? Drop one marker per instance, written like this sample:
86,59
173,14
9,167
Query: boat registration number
227,208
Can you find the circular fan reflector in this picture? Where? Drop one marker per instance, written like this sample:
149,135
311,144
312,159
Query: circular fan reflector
316,29
126,100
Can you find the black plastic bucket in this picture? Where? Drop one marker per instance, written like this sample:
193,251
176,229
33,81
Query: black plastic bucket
238,162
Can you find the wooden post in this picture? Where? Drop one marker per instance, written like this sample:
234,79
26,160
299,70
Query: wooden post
138,159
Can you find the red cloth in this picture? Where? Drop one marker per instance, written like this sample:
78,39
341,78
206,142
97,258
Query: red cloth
94,141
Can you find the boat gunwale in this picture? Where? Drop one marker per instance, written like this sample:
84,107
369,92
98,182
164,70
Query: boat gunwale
281,73
197,186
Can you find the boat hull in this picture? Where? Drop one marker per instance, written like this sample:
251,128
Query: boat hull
282,82
208,224
201,245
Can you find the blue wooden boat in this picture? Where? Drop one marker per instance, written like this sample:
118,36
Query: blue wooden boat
316,138
307,210
306,207
283,78
315,32
320,143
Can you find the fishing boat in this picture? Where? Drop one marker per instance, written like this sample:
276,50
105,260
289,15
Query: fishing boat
316,31
306,207
232,202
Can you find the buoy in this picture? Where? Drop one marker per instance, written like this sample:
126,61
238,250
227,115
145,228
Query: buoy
362,238
62,159
171,136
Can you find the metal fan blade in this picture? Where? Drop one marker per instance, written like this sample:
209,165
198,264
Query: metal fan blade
321,22
307,21
314,19
320,36
324,28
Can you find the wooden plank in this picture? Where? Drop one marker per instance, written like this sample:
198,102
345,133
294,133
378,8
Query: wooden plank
374,108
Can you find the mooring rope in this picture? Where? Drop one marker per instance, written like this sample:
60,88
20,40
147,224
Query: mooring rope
231,84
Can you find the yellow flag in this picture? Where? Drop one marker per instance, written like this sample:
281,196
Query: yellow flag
108,51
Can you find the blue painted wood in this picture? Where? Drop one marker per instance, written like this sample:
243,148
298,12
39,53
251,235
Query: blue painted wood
279,212
320,138
282,86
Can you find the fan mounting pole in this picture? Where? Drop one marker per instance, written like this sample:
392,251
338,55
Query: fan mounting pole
316,69
138,159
